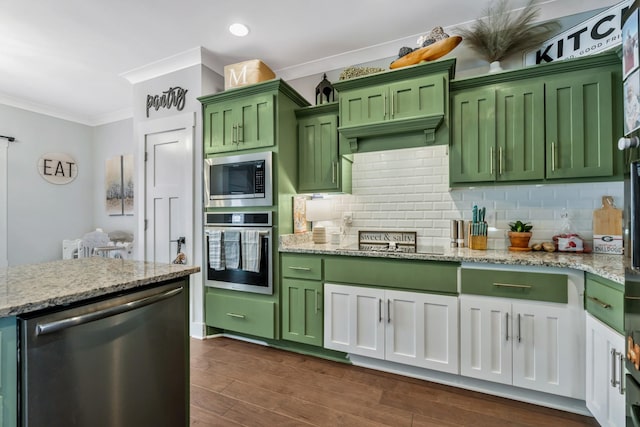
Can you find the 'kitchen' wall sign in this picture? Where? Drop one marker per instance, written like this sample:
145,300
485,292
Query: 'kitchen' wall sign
58,168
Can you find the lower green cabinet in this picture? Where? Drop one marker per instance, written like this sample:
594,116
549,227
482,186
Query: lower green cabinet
8,372
302,314
243,314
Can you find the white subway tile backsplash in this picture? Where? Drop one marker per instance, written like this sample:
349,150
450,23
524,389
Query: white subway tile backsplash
408,189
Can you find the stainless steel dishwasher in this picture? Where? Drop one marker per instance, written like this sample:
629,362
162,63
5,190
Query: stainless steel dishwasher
121,361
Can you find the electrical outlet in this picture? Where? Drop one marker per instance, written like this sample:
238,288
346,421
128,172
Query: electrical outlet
347,218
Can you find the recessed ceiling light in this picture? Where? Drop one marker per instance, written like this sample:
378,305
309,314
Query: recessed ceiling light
239,30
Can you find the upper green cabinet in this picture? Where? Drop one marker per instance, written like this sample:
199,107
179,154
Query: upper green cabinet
579,125
498,133
402,108
321,168
549,122
240,125
244,118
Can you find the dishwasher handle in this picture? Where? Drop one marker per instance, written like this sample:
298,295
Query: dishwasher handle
58,325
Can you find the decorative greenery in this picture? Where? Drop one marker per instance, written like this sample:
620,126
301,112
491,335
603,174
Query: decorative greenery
503,32
520,227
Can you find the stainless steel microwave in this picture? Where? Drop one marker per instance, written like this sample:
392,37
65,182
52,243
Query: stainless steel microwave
238,180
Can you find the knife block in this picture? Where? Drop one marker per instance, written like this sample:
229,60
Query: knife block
476,242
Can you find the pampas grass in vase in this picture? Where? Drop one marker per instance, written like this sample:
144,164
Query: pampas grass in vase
503,32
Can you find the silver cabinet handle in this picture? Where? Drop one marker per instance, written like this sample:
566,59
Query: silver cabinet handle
58,325
614,379
500,161
553,157
393,100
384,106
380,310
239,316
240,139
300,268
509,285
519,331
506,327
317,308
333,172
599,302
389,311
491,160
234,134
621,374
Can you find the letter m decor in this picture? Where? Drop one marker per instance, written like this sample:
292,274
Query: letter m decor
245,73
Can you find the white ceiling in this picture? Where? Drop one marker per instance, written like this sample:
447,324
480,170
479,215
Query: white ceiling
68,58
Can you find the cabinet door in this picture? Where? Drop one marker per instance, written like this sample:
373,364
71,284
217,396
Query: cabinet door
520,131
422,330
318,154
219,128
302,311
579,133
472,150
603,396
8,372
485,339
353,320
417,97
363,106
256,122
546,349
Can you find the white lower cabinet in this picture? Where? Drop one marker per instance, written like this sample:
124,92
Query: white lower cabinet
527,344
605,373
412,328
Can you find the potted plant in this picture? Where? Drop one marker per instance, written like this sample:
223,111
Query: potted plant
519,235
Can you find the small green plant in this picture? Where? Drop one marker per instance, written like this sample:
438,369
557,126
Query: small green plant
520,227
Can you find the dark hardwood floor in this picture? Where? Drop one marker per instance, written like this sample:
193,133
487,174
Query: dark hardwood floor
235,383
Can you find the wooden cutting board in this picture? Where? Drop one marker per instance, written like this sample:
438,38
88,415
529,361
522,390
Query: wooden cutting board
608,219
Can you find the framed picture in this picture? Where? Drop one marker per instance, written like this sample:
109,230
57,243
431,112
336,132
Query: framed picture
630,55
632,102
119,185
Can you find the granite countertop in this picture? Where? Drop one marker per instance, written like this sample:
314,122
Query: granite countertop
611,267
32,287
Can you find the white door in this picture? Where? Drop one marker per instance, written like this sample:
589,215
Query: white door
4,205
168,169
485,339
543,344
603,396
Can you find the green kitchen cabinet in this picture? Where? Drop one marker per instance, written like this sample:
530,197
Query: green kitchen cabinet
8,372
302,314
240,125
302,298
400,100
243,313
498,133
401,108
579,120
540,124
321,167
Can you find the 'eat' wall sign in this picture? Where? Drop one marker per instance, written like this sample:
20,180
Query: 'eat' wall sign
57,168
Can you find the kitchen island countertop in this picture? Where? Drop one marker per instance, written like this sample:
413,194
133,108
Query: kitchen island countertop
27,288
608,266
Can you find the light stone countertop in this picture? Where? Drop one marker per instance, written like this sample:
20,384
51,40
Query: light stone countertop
27,288
611,267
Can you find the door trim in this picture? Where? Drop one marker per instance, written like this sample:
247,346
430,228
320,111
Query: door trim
4,202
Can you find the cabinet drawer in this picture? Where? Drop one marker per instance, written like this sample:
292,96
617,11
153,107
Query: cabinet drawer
430,276
515,284
604,299
241,314
302,266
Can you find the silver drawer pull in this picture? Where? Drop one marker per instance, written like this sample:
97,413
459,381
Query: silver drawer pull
600,303
509,285
239,316
632,298
300,268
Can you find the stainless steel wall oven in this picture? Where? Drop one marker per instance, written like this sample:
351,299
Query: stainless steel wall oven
238,251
